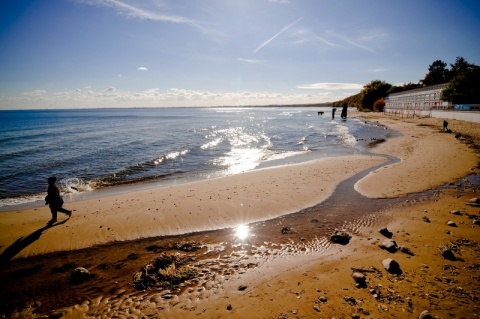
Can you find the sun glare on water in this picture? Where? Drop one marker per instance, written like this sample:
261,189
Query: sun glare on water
242,232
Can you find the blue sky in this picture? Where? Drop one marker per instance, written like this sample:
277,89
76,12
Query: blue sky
154,53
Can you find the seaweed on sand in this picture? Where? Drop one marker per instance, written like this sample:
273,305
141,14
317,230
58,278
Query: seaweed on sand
165,271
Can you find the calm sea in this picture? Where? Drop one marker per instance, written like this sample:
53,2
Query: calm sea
90,149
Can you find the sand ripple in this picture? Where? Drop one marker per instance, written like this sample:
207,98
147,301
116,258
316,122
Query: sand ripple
215,275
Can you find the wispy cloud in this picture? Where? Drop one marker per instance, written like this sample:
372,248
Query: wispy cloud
307,36
156,11
373,35
331,86
142,68
252,61
323,40
134,10
365,41
263,44
352,42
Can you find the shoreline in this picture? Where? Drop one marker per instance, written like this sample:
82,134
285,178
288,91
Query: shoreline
135,186
36,200
218,203
288,263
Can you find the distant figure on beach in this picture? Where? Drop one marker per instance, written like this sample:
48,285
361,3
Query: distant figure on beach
333,112
445,126
54,200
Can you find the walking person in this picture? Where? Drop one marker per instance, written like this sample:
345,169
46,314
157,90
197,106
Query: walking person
445,126
54,200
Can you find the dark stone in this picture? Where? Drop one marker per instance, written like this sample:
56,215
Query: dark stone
406,250
385,232
340,237
360,279
475,200
392,266
447,253
358,276
188,247
390,246
79,275
425,315
350,300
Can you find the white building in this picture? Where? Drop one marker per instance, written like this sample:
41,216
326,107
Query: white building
426,102
422,99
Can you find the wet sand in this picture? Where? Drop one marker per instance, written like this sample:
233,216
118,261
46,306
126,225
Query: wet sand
207,205
287,267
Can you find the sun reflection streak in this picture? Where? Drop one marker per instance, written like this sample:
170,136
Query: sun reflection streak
242,232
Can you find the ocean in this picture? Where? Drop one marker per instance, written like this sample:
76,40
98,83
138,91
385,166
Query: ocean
93,149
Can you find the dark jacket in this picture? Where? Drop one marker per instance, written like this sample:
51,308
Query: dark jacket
53,196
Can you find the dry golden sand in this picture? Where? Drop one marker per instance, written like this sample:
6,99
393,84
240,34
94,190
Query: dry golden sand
295,274
428,157
206,205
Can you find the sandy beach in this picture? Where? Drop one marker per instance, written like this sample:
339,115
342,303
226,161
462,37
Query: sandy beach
286,266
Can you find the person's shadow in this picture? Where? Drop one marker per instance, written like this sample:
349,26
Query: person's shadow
24,242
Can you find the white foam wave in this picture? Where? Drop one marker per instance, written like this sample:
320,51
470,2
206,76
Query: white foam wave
74,185
277,156
212,143
170,156
21,200
344,134
174,155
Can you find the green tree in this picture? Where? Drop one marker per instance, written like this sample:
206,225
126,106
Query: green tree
372,92
437,73
464,87
460,66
